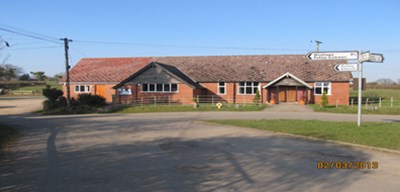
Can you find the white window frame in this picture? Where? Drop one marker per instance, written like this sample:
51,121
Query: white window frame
322,86
246,86
86,89
163,88
219,86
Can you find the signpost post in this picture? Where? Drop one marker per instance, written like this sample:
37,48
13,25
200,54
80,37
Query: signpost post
359,56
359,106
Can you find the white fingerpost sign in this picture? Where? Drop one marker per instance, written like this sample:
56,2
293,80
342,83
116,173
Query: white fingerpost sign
371,57
360,56
346,67
333,55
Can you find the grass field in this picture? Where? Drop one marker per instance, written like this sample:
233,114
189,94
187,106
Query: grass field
379,102
383,135
6,133
384,93
186,108
38,88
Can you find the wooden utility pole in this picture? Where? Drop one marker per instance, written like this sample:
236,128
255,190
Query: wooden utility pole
66,47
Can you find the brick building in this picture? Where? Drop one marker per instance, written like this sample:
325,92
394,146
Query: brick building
233,79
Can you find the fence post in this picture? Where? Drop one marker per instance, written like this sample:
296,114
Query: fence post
155,101
366,103
198,100
352,103
169,100
229,101
212,100
391,102
141,101
337,103
244,102
380,102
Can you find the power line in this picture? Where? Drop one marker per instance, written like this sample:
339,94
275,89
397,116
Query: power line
80,52
31,48
186,46
27,31
29,35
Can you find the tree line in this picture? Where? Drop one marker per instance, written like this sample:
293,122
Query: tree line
10,72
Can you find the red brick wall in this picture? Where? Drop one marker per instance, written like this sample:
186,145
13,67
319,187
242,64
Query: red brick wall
231,93
109,91
340,92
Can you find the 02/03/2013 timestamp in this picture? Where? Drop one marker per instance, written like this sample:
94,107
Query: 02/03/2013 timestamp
347,165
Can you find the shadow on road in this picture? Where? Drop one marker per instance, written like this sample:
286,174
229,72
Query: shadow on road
96,154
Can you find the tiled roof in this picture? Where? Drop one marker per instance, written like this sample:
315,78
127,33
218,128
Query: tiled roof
212,68
112,70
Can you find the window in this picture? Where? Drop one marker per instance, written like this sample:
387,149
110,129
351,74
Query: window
145,87
82,89
124,91
159,87
320,87
248,88
221,88
152,87
167,87
174,87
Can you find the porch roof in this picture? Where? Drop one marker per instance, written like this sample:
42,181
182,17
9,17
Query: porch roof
286,75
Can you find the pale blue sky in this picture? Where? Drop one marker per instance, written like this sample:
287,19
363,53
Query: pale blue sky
182,28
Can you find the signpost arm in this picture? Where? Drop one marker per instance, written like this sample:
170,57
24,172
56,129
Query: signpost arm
360,76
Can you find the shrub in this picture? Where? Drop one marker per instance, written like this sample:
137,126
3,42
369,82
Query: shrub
52,94
257,97
324,99
89,100
54,98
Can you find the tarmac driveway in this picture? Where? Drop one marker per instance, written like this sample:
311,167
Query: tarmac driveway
172,152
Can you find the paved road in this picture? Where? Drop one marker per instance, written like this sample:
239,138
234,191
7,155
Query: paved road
171,152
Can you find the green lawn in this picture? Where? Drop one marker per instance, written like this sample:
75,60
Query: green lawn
6,133
348,109
384,135
38,88
187,108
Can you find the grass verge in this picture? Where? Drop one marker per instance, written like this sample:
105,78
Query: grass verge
186,108
6,133
349,109
383,135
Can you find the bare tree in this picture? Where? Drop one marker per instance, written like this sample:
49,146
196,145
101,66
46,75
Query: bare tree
8,72
385,81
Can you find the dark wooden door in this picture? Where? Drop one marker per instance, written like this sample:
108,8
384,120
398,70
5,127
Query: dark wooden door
282,94
291,94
